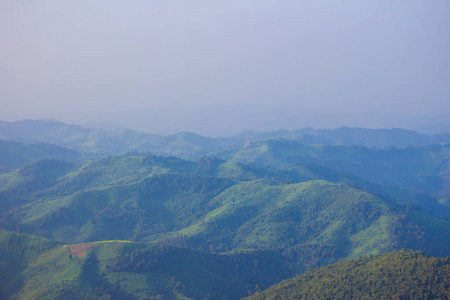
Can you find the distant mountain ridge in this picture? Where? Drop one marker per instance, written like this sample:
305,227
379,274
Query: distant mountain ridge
106,141
434,129
370,138
192,146
15,154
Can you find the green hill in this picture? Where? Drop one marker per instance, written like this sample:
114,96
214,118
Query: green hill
396,275
221,227
211,229
422,170
156,204
314,222
149,198
36,268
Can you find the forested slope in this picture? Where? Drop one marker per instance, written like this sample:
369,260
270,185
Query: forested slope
218,228
396,275
149,198
37,268
422,170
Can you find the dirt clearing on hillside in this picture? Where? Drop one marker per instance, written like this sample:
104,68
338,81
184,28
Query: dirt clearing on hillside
80,250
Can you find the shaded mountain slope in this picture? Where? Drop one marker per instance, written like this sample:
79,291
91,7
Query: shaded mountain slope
14,154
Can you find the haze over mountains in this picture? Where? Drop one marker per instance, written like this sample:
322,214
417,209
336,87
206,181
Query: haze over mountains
221,68
220,150
228,119
118,140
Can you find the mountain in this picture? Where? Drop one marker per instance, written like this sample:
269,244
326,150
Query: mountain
423,170
170,200
104,126
223,218
116,140
434,129
314,222
395,275
14,154
106,141
106,198
74,136
32,267
370,138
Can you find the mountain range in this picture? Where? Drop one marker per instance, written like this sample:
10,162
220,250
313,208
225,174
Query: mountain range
219,218
191,145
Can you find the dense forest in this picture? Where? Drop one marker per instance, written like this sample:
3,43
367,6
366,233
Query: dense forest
396,275
222,218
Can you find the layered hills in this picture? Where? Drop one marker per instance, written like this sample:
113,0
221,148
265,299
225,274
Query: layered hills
216,218
206,205
423,170
99,141
192,146
14,155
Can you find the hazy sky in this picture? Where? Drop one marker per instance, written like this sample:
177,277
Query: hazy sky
217,67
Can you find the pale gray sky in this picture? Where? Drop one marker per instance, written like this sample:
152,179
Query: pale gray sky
217,67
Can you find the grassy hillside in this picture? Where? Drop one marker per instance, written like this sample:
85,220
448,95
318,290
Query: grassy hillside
37,268
314,222
116,197
35,180
208,229
301,172
157,204
396,275
420,170
17,252
148,198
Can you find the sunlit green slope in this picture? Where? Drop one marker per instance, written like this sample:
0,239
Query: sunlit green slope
314,222
422,170
148,198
